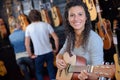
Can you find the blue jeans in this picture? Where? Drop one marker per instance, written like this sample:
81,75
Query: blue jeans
26,64
39,65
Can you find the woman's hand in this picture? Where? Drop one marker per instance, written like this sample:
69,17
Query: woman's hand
60,63
83,75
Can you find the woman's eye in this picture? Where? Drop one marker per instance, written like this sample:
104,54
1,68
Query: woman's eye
71,15
80,14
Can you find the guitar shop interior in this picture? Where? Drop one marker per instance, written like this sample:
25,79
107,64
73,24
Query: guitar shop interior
12,9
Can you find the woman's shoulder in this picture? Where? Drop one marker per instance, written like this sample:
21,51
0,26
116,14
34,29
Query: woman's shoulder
94,40
93,34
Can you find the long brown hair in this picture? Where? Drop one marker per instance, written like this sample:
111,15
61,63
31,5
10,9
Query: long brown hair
70,34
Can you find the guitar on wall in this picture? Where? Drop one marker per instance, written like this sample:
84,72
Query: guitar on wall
11,20
3,30
91,9
56,16
22,17
104,29
44,13
116,57
76,64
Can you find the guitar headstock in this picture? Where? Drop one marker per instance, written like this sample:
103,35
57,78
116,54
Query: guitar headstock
105,70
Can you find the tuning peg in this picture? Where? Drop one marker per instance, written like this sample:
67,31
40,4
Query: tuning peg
102,78
107,63
103,63
112,63
109,78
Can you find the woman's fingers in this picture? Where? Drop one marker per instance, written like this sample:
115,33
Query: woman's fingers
60,64
83,75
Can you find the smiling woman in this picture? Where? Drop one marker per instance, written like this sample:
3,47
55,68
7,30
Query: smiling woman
77,18
81,41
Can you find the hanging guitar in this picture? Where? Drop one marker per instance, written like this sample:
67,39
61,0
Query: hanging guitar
56,16
91,9
76,64
22,17
104,29
3,31
44,13
11,20
116,57
3,70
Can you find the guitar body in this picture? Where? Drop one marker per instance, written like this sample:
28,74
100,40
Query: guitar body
105,33
117,66
76,64
91,9
45,17
73,60
56,16
23,21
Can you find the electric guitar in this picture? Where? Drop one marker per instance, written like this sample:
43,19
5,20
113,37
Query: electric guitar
104,29
77,64
91,9
116,57
44,13
56,16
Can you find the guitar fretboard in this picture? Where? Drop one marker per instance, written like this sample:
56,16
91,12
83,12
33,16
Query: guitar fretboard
72,69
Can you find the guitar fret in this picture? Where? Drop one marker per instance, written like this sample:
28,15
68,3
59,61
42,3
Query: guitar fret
76,68
91,70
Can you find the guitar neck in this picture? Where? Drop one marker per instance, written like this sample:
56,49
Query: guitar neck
100,17
101,70
80,68
116,43
52,4
98,11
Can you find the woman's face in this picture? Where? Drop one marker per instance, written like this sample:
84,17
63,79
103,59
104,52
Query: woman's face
77,18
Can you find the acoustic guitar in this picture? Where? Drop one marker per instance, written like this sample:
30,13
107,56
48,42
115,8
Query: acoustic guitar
11,21
23,21
56,16
116,57
3,31
77,64
22,18
44,13
104,29
3,70
91,8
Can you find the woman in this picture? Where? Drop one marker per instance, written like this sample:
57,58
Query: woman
81,39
